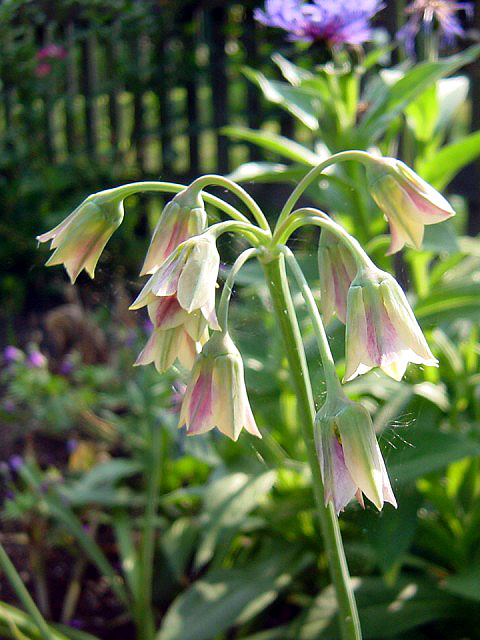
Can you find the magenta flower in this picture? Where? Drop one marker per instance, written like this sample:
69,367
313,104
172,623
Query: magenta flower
337,269
350,459
408,202
37,360
216,395
51,51
183,217
80,239
381,329
330,21
13,354
190,274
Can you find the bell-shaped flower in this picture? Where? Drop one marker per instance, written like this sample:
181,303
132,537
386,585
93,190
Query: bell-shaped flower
216,395
337,269
350,459
164,346
176,334
183,217
80,239
190,274
381,329
407,201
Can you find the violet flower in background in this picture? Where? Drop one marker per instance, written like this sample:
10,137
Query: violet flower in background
331,21
424,14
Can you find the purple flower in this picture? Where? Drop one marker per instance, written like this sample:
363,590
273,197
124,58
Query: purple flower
12,354
15,462
424,13
331,21
37,360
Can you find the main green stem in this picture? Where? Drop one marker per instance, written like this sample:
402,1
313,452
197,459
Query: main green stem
287,321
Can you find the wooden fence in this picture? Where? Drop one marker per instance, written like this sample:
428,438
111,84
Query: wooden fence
143,92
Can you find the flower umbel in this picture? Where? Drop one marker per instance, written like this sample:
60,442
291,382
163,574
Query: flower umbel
216,395
80,239
350,459
381,329
337,269
183,217
408,202
330,21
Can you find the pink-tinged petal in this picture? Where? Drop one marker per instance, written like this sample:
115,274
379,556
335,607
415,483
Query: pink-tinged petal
187,350
195,325
162,349
344,488
166,313
388,495
163,243
200,407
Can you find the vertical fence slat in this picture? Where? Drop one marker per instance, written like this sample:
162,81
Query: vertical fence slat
48,104
112,54
253,103
162,89
188,19
89,88
218,78
71,87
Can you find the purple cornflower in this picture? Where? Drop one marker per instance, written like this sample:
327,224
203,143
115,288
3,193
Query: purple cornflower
331,21
424,13
15,462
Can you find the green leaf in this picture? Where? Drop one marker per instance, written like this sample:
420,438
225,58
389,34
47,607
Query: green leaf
384,611
228,500
422,113
266,172
274,142
448,302
425,450
227,597
304,104
13,620
392,100
465,584
441,167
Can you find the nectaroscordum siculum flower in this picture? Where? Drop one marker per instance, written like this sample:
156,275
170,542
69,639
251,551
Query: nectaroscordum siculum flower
381,329
408,202
80,239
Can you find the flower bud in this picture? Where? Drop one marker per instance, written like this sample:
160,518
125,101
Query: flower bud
407,201
337,269
80,239
216,395
183,217
381,330
350,459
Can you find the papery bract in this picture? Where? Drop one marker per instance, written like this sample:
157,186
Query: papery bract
216,395
80,239
408,202
337,269
381,329
350,459
183,217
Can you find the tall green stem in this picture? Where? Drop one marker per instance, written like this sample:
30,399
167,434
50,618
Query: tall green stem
228,286
22,593
287,321
360,156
